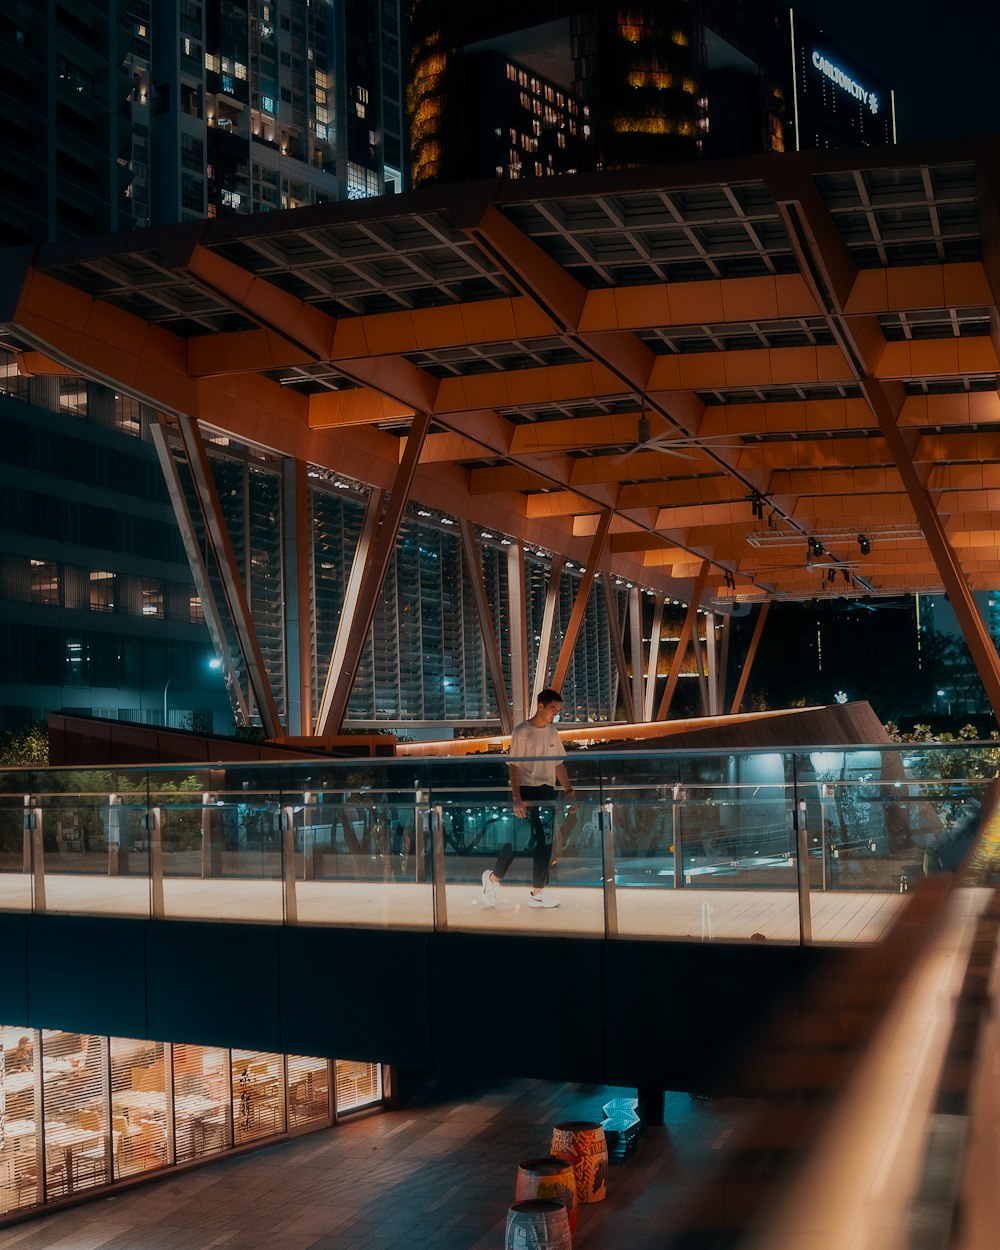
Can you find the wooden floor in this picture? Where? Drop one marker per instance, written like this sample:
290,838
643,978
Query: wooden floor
719,914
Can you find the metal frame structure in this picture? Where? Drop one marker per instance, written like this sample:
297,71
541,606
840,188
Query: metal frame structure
806,342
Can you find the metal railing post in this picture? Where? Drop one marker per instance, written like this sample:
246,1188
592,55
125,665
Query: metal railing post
114,834
207,802
679,796
440,880
288,865
420,818
34,850
826,794
153,832
608,851
802,871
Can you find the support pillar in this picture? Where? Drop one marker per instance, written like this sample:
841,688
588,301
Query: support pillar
494,662
374,575
582,596
758,629
518,633
683,641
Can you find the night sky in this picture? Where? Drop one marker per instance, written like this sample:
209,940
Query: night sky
941,58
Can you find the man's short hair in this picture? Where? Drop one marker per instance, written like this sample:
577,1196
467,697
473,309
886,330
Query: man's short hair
549,696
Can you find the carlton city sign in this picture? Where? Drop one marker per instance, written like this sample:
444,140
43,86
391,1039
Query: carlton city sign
836,75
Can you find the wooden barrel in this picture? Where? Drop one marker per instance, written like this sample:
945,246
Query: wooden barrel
538,1224
548,1178
584,1142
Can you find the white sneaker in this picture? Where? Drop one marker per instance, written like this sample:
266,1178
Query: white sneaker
489,889
541,900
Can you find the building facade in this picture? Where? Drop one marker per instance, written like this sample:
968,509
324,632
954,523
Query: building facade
127,113
646,84
98,608
653,83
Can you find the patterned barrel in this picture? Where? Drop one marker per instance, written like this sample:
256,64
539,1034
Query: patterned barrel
548,1178
584,1142
538,1224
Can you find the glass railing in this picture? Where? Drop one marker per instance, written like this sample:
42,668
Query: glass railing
814,845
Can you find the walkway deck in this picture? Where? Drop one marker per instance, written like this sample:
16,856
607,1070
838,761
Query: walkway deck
734,915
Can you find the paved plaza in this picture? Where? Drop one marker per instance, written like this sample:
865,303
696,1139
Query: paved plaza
439,1173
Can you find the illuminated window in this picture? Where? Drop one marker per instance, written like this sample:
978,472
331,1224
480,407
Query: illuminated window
196,610
102,591
45,582
152,597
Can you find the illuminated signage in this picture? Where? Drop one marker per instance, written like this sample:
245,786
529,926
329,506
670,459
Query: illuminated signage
846,82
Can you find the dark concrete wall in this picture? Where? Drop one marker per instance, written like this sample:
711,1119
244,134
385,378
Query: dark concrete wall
659,1014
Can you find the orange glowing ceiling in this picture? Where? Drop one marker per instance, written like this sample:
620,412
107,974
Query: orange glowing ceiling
732,359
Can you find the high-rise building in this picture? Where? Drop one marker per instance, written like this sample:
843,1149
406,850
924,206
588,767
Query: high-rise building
147,112
646,84
656,82
122,114
836,102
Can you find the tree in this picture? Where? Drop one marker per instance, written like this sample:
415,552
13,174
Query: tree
25,748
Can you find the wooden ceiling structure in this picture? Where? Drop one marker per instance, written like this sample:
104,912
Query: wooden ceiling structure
771,379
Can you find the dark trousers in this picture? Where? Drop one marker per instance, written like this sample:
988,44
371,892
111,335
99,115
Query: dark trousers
539,803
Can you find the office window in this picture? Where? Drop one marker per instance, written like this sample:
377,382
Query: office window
102,592
20,1177
152,597
73,396
45,582
196,610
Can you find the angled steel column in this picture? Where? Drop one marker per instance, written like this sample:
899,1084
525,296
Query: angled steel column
199,572
518,633
699,668
615,629
758,629
373,510
374,575
635,648
683,641
582,595
829,269
713,665
548,628
229,572
295,567
723,662
649,703
494,662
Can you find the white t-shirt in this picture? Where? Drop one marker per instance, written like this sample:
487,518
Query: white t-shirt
536,752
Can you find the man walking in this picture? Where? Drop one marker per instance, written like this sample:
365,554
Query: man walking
536,763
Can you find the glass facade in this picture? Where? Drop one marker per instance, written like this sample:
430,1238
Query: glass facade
81,1112
102,616
95,587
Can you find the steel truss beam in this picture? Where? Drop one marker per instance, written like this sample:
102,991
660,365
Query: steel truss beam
382,549
494,662
828,267
683,642
615,629
582,595
199,571
229,573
